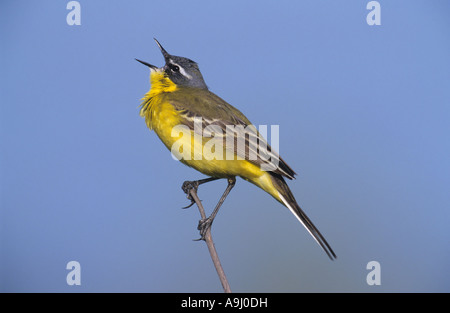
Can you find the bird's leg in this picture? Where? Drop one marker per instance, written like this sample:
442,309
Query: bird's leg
205,224
188,185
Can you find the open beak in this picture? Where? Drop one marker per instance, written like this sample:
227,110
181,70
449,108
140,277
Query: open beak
164,53
148,64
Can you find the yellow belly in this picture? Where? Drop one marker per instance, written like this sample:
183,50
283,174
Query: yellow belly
192,149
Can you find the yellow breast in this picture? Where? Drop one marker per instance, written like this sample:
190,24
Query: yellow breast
158,114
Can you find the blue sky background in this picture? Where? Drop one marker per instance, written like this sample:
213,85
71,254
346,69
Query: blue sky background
364,119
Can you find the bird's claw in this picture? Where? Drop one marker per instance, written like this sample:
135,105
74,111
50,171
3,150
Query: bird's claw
187,187
203,226
189,205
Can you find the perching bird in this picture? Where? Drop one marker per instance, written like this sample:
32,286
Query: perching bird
210,135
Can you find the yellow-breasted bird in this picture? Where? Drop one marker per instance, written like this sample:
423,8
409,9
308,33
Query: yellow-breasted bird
179,97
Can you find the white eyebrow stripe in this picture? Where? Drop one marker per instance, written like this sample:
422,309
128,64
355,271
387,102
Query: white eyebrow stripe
182,71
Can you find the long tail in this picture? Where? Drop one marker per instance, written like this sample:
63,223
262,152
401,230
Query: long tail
287,198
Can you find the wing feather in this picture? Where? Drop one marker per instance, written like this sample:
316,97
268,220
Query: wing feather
218,117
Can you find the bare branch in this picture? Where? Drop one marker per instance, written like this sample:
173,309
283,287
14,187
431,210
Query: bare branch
210,244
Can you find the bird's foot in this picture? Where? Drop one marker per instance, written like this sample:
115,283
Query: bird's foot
203,226
187,187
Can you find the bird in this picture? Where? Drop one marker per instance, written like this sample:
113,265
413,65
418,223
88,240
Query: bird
185,114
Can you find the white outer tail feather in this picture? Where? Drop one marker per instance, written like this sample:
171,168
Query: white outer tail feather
293,212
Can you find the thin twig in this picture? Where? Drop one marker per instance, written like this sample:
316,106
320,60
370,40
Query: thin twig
210,244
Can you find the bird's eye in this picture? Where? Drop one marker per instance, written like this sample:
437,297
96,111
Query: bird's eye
175,68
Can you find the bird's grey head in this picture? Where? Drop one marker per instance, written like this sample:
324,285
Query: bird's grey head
182,71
